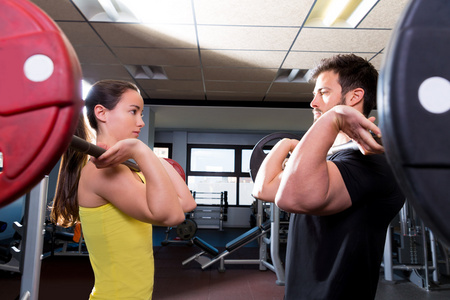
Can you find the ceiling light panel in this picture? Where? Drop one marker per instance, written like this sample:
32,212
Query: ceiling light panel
339,13
137,11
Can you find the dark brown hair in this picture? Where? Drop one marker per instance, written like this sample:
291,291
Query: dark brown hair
354,72
65,210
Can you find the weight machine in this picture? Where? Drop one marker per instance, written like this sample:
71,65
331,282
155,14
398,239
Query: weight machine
210,255
412,256
210,216
26,259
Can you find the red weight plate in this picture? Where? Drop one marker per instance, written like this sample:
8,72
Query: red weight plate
37,116
177,167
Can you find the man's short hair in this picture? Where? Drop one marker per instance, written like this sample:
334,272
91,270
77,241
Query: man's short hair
354,72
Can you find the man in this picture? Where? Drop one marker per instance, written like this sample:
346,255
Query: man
342,202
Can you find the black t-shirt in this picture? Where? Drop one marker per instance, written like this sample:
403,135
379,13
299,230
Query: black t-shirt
339,256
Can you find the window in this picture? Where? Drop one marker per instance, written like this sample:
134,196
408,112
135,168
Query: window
221,168
163,150
212,160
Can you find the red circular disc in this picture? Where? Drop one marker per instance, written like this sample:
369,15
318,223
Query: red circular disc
177,167
40,96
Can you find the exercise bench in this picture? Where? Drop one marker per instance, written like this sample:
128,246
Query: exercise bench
230,247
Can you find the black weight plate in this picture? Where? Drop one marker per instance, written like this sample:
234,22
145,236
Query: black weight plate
258,154
414,110
187,229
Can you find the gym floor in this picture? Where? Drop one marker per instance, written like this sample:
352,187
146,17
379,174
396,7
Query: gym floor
71,277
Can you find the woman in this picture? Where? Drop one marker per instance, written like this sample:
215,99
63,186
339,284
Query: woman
116,205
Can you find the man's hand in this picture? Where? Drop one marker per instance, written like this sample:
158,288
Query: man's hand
357,127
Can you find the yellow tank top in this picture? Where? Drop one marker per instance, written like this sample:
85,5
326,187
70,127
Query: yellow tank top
121,253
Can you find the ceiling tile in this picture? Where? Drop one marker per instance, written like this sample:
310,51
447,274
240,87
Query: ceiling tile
289,97
292,87
240,74
147,36
309,60
234,96
80,34
247,38
158,57
341,40
174,85
237,86
263,12
304,60
377,60
95,55
245,59
176,95
183,73
59,10
93,73
385,14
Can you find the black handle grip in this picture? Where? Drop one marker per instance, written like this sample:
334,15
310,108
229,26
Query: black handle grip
84,146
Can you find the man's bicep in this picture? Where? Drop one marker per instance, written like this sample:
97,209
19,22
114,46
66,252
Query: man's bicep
338,197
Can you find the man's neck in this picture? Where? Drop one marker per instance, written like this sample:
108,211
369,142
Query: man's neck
341,138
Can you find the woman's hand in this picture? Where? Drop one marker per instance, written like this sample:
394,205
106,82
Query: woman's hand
117,154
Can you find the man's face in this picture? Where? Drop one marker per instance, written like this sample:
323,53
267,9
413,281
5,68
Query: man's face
327,93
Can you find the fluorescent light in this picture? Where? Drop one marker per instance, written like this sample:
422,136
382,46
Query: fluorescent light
109,9
334,10
360,12
293,74
148,71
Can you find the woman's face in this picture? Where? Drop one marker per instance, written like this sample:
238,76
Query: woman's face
125,120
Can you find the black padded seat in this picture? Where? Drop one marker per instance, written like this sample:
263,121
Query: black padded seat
243,239
205,246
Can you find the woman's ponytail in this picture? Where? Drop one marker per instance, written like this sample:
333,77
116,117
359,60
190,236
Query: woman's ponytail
65,204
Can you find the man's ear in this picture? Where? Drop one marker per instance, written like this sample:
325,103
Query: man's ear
100,112
356,97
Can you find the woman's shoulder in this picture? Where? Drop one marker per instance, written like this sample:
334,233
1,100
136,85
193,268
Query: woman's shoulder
100,186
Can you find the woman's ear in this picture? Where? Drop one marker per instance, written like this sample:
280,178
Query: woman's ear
357,96
100,112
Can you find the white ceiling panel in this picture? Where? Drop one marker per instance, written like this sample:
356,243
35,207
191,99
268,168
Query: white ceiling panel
341,40
229,52
252,12
147,36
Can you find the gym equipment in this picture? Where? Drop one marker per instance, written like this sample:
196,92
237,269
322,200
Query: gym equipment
3,226
213,255
256,159
40,84
258,154
210,216
416,242
414,110
84,146
70,246
177,167
188,228
40,103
